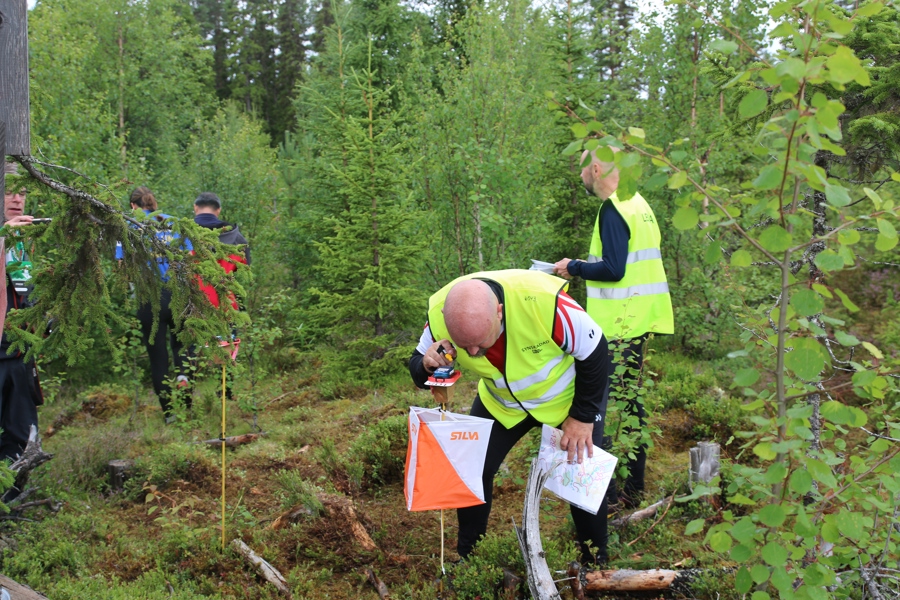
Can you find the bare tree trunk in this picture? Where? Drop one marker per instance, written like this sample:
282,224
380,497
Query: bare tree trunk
540,580
14,94
124,147
3,182
478,237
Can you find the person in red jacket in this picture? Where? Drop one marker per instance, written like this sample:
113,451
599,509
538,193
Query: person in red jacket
207,208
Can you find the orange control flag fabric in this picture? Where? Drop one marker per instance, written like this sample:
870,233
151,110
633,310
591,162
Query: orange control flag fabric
444,459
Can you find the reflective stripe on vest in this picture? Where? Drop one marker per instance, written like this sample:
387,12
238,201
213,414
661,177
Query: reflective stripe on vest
539,376
640,301
558,387
646,289
633,257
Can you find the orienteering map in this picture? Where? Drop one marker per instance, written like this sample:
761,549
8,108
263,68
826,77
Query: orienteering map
583,485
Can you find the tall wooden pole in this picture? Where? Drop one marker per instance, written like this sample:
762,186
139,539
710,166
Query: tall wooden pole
15,121
3,169
14,76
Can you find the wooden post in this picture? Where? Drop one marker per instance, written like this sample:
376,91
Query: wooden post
3,168
704,462
119,471
14,76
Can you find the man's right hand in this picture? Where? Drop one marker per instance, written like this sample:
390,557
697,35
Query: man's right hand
19,221
561,268
434,358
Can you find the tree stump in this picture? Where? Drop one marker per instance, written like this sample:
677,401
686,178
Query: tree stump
119,471
704,462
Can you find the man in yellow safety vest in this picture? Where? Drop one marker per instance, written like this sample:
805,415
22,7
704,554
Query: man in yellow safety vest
627,291
540,359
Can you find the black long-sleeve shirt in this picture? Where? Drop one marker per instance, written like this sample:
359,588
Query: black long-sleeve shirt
614,234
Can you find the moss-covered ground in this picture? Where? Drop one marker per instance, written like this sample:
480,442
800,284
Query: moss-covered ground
160,537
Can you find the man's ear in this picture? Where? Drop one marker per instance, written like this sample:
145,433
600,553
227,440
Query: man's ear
500,311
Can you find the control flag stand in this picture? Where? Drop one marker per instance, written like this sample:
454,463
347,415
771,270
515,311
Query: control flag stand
440,389
233,344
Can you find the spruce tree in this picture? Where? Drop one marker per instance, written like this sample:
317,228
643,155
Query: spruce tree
363,299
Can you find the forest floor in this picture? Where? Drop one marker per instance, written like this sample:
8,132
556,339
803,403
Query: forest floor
161,536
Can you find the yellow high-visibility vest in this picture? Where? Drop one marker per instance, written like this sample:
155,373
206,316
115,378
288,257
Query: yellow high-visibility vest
640,303
540,377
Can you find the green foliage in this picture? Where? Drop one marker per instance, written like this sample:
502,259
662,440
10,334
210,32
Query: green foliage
296,491
377,456
770,162
364,297
121,60
481,144
683,384
788,214
169,462
481,574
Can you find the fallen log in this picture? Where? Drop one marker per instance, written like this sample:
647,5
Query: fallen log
17,591
583,582
234,441
265,570
644,513
291,516
50,503
627,580
378,584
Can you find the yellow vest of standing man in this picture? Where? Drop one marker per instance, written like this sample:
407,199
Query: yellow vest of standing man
540,377
640,303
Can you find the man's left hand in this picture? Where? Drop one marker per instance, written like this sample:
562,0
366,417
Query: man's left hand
577,437
561,268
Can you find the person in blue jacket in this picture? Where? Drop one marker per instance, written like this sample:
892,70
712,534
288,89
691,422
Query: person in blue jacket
157,346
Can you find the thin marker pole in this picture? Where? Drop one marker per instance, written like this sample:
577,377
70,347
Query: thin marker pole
223,456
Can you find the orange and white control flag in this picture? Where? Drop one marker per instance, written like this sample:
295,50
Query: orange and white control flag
444,459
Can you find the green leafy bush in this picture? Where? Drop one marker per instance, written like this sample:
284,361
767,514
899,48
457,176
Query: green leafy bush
378,455
168,463
294,490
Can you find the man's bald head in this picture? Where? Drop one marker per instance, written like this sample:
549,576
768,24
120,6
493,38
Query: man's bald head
473,316
601,178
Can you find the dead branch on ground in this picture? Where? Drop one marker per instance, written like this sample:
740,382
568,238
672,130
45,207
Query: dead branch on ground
234,441
265,570
378,584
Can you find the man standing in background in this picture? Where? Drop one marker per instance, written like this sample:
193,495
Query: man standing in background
207,208
20,393
627,291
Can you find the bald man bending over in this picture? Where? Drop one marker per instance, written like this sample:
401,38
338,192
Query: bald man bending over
540,359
